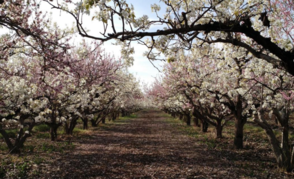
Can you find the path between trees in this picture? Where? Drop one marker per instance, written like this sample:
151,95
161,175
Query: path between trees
149,147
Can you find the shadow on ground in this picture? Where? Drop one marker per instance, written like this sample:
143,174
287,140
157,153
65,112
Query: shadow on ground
149,147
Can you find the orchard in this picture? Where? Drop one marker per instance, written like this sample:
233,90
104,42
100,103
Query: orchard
224,62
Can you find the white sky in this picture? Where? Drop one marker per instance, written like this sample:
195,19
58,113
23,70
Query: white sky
142,68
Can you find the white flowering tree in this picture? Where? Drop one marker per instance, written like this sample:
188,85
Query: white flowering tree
131,98
236,84
272,98
20,100
193,79
166,94
263,28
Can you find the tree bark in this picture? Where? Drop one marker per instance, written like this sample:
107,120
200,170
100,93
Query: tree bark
240,121
196,121
69,127
123,113
181,117
103,119
19,144
53,130
6,138
281,150
85,123
204,126
188,119
219,129
238,140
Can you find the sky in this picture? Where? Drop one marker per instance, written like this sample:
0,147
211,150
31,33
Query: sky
142,68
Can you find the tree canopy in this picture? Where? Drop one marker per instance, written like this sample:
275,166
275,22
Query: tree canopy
263,28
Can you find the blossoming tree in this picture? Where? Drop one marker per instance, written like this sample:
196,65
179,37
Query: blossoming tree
261,27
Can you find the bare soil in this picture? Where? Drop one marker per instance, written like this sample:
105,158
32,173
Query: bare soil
150,146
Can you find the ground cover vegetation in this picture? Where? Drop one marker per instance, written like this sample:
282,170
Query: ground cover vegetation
146,144
227,61
40,157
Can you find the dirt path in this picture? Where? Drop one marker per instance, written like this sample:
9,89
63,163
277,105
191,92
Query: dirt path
147,147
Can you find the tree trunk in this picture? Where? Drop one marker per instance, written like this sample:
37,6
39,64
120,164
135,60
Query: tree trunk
113,116
181,117
94,123
283,157
239,124
66,128
188,119
103,119
173,115
204,126
196,121
238,140
219,129
195,117
85,123
69,127
123,113
53,131
19,144
281,150
20,139
6,138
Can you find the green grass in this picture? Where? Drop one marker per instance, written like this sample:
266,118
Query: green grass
29,148
78,130
210,143
60,147
188,130
38,160
48,148
254,136
22,169
3,147
207,138
43,135
41,128
253,128
128,117
164,115
120,120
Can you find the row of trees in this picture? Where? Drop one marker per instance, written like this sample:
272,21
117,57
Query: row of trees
92,86
232,80
216,87
44,79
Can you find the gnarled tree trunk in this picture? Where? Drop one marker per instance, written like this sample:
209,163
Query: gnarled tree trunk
69,127
281,149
